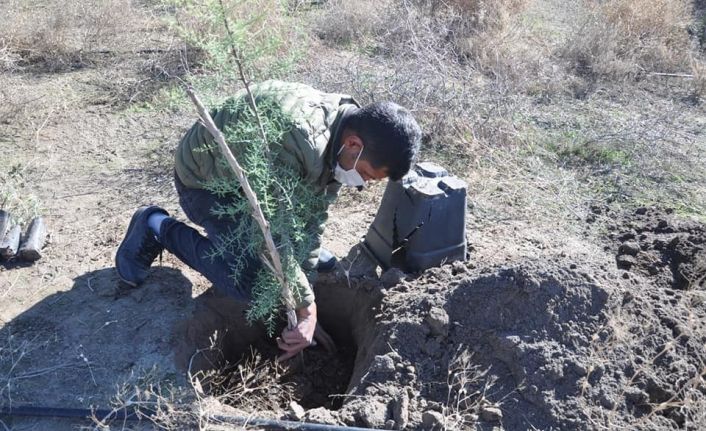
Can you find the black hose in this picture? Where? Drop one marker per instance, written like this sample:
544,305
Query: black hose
62,412
134,416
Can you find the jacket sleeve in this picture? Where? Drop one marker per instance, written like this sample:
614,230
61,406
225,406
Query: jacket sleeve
304,295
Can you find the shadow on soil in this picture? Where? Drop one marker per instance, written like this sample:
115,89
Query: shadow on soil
77,348
73,348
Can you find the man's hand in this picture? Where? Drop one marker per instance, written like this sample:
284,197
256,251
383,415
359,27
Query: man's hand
299,338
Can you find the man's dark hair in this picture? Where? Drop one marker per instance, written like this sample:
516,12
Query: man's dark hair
390,134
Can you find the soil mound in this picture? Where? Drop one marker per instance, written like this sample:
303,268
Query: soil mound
460,349
546,344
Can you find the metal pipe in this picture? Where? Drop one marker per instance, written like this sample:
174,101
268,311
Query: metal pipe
135,416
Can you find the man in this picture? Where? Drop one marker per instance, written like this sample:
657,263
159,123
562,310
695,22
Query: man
332,142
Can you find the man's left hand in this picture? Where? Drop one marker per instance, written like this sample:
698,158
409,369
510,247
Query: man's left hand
300,337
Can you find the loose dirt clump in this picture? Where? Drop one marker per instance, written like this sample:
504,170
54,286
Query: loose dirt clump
655,244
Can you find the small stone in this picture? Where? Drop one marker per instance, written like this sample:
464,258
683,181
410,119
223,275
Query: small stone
636,396
629,247
438,321
435,405
383,363
641,211
410,369
625,261
433,420
296,411
394,356
626,236
392,277
390,424
606,400
659,244
580,369
373,414
321,415
674,242
491,414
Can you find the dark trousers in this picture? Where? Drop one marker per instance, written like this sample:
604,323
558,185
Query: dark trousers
197,250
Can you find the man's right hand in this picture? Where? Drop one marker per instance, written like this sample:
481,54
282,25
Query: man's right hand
295,340
300,337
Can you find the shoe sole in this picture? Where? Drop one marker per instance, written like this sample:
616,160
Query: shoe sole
129,228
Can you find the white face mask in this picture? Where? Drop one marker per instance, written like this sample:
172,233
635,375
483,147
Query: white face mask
349,177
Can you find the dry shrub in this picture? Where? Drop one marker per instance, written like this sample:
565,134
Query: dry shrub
345,22
476,18
58,35
458,29
622,38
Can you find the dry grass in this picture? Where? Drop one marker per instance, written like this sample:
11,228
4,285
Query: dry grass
458,30
63,35
653,357
632,37
698,70
468,386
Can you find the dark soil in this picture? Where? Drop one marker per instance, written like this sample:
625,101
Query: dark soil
655,244
552,344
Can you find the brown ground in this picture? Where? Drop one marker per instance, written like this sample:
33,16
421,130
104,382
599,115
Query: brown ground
596,325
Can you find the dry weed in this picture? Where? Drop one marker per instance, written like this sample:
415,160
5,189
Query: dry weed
432,31
468,386
346,22
61,35
631,37
653,358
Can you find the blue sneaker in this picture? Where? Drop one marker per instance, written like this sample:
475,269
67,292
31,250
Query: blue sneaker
139,248
327,261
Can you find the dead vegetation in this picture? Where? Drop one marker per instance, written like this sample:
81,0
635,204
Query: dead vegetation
61,36
628,38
